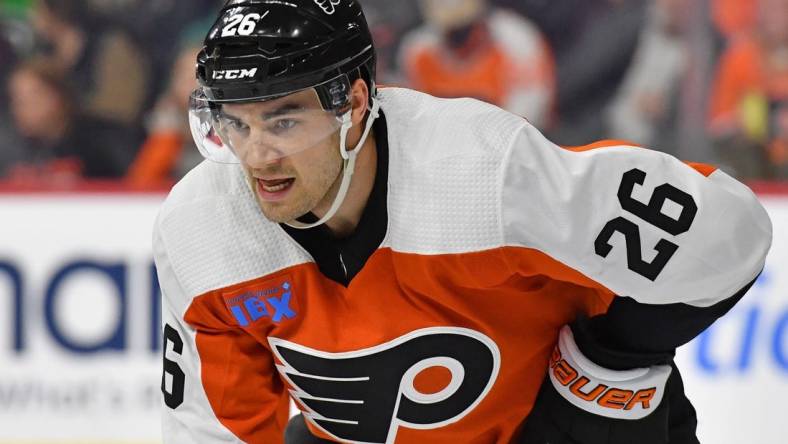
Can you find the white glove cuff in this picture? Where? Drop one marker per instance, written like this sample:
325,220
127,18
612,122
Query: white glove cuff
629,394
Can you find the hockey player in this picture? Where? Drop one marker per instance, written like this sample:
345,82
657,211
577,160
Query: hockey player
415,270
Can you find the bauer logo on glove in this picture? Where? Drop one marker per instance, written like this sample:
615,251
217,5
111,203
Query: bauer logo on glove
630,394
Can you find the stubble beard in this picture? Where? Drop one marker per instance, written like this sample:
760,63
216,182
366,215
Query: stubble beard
306,196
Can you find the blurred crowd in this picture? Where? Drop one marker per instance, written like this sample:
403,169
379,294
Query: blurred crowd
98,89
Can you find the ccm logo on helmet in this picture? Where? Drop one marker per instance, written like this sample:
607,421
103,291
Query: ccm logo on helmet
608,397
232,74
366,395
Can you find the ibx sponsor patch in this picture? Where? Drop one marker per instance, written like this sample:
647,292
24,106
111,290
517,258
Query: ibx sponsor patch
272,299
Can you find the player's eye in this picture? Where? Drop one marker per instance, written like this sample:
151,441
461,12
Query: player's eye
236,125
283,125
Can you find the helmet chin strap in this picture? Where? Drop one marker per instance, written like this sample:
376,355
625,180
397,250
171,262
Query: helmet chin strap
349,164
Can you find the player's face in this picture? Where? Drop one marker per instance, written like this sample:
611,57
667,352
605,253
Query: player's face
289,150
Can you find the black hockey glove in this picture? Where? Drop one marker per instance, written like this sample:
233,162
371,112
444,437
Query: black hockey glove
582,403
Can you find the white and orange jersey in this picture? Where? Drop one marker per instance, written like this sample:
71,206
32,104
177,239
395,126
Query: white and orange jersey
495,239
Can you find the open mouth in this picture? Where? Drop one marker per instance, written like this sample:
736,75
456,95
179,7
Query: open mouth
274,189
273,186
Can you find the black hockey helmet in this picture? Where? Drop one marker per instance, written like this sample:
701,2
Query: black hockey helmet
261,49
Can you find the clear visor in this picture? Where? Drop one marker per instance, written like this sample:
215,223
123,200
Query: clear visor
263,130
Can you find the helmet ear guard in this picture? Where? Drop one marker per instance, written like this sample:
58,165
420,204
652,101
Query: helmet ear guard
335,94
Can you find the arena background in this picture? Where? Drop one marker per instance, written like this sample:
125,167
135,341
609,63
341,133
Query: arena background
80,344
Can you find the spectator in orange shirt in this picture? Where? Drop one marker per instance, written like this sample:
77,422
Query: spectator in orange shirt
750,96
468,49
732,17
168,153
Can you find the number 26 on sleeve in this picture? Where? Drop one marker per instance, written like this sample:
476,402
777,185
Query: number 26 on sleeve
652,214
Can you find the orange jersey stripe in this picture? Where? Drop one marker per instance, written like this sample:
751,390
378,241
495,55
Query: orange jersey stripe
599,144
702,168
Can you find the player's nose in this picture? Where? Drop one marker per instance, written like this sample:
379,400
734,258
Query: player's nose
261,155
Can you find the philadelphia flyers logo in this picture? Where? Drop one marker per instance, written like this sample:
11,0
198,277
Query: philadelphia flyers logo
365,396
328,6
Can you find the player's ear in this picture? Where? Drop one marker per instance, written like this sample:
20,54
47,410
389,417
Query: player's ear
359,98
